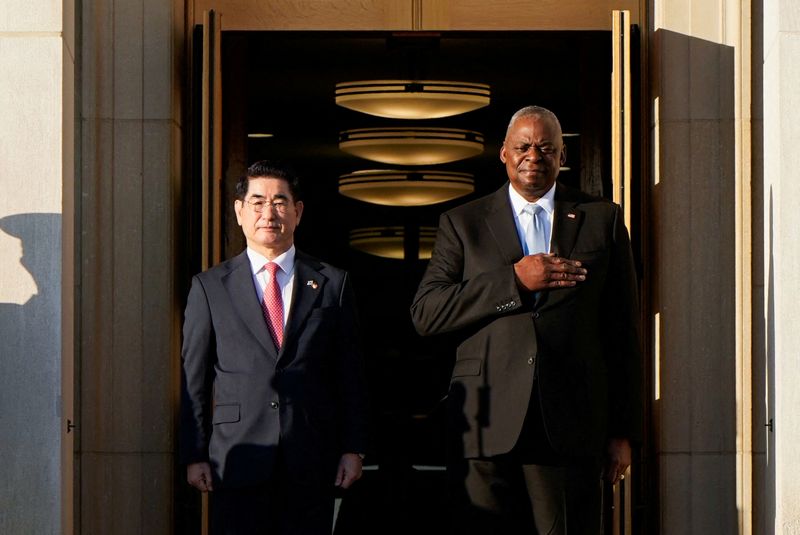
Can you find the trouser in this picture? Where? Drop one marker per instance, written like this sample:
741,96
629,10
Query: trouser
500,495
282,506
530,490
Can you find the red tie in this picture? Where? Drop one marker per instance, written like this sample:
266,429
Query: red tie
273,305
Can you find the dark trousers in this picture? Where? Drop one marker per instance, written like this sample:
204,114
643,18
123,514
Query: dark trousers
502,496
283,506
530,490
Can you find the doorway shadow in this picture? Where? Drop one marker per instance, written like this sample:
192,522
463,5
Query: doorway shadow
692,274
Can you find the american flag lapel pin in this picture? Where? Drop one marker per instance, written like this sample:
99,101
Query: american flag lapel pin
571,215
313,284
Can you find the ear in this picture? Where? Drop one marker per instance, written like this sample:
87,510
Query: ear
237,207
503,153
299,207
563,154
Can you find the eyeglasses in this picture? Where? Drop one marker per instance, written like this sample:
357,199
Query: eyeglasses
279,205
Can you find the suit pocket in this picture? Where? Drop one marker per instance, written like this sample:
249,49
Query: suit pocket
467,367
322,312
226,413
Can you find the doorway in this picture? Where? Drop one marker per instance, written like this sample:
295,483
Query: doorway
281,85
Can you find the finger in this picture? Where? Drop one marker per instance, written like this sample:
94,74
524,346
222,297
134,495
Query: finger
557,279
560,260
340,474
569,268
347,481
611,470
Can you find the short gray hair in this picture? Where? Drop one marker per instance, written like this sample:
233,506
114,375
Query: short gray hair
533,111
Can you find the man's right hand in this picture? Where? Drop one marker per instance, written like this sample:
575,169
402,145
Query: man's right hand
548,271
199,476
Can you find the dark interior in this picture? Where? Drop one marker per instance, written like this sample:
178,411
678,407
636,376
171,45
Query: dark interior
283,83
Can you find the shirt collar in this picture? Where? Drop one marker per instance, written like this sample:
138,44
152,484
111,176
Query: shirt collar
546,201
258,261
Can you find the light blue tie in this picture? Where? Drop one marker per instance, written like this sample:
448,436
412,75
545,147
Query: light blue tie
535,234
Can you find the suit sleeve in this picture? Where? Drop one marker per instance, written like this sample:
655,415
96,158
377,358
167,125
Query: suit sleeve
446,301
623,354
197,358
352,379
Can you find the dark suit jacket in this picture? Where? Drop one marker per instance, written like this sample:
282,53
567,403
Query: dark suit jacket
241,398
581,343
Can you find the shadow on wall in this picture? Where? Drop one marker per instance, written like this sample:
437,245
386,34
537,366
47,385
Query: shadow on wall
30,371
694,283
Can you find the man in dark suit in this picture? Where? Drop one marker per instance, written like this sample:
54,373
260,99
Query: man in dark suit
273,411
538,282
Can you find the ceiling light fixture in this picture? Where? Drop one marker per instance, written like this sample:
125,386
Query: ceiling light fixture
411,146
404,187
412,99
259,135
389,242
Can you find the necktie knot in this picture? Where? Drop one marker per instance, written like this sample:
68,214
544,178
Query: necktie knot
272,268
533,209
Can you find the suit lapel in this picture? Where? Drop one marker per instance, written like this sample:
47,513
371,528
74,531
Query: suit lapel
308,283
239,284
500,220
566,223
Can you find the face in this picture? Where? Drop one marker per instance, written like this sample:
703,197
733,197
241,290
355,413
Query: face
270,232
533,152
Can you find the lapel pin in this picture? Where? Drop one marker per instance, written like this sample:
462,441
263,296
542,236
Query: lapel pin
571,215
313,284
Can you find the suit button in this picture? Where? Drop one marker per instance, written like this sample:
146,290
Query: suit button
513,303
273,404
530,361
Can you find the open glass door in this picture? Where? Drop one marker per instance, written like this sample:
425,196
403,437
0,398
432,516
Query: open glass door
211,141
618,518
203,208
621,116
211,159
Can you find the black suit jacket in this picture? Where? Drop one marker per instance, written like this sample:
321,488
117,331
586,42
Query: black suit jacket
241,398
580,343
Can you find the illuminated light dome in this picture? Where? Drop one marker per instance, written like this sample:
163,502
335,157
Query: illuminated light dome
389,242
405,187
411,99
411,146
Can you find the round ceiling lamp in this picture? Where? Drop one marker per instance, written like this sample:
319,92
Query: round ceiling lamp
412,99
405,187
411,146
389,242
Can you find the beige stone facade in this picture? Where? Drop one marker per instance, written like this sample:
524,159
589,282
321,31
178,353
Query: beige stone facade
95,165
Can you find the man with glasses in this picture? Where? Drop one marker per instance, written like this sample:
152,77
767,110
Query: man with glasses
273,409
537,280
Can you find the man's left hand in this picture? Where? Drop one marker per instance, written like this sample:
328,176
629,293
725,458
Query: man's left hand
349,470
618,459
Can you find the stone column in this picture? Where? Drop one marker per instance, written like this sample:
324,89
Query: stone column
131,129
